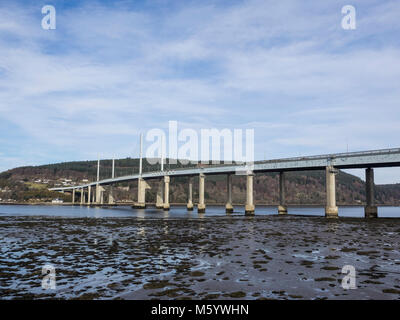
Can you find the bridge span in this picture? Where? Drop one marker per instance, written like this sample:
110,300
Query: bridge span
329,162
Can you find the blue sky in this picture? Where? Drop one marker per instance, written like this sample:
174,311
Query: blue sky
114,69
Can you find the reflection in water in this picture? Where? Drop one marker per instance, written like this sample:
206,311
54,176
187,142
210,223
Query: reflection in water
140,213
165,214
333,225
165,228
141,232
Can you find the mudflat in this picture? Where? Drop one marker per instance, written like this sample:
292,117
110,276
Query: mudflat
260,257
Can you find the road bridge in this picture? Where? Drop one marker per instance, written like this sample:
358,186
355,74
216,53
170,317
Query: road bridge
328,162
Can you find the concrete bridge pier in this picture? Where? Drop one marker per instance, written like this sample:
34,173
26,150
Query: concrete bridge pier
102,195
166,193
142,186
228,206
249,208
159,196
201,206
82,196
73,196
189,205
99,194
370,210
111,196
282,208
331,210
89,195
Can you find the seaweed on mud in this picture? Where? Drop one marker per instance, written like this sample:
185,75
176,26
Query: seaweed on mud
237,294
325,279
345,249
330,268
197,273
155,284
306,263
212,296
332,257
171,293
193,246
392,290
367,253
89,296
372,282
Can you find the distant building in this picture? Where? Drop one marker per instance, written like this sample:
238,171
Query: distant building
57,201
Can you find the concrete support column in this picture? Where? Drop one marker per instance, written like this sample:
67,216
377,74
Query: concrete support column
160,196
73,196
282,208
249,208
111,196
82,196
228,206
189,205
331,210
89,195
371,211
101,195
141,193
97,193
142,186
201,206
166,193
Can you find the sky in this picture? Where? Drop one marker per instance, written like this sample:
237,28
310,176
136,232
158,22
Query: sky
114,69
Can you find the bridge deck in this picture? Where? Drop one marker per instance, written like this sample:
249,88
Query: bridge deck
364,159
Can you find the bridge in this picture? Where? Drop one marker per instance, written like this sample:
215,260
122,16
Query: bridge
329,162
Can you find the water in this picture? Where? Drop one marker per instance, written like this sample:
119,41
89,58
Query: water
177,211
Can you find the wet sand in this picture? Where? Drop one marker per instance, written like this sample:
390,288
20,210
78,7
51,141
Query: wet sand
261,257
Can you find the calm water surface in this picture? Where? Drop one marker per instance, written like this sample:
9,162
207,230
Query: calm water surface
177,211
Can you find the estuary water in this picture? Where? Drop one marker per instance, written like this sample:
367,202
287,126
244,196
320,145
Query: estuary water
178,211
